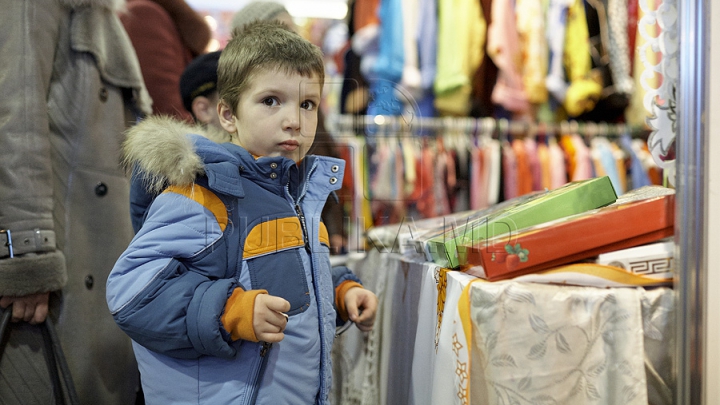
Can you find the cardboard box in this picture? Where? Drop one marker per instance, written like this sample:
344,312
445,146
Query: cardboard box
450,248
652,260
642,216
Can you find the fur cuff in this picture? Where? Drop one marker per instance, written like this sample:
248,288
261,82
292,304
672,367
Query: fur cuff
32,273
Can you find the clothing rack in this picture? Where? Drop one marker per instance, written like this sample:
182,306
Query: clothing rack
386,124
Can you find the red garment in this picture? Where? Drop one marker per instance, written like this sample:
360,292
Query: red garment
161,50
423,192
632,25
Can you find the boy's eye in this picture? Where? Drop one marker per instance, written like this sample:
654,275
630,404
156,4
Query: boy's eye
270,101
307,105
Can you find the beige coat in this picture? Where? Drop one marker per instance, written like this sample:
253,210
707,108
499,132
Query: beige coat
67,74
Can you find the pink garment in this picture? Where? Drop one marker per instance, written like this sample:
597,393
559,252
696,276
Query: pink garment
485,171
503,47
531,147
442,204
510,186
558,175
476,184
583,161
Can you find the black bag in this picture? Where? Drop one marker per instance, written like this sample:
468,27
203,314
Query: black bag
63,388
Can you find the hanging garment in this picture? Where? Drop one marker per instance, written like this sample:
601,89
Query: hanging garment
524,175
620,165
423,194
558,176
543,153
617,13
493,155
503,46
638,175
387,69
461,35
442,203
510,186
485,76
531,148
583,162
585,89
612,103
555,31
603,154
530,17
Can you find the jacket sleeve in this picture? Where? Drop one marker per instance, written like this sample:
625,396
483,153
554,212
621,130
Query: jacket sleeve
26,200
342,277
168,290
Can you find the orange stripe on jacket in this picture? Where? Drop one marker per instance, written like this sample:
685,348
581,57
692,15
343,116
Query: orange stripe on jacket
206,198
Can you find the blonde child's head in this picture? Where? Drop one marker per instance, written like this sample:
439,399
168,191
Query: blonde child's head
265,46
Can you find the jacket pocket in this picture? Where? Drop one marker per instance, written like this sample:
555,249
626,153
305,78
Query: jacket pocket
282,274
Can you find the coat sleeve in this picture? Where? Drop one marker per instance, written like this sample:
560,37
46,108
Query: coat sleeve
162,54
30,32
168,290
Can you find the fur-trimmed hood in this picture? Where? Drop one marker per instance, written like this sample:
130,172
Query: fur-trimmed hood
159,148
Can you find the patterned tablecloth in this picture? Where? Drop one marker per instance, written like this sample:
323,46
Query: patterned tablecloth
446,337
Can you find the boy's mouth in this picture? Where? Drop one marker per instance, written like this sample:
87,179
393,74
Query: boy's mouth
290,145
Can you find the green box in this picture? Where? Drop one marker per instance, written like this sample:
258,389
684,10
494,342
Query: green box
449,249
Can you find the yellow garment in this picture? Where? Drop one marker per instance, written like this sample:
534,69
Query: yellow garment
584,90
461,39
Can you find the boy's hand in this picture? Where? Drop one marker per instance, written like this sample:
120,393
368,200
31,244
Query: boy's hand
269,319
361,305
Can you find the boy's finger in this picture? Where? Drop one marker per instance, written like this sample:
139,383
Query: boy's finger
271,337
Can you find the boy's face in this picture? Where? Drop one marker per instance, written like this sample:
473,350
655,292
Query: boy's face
276,116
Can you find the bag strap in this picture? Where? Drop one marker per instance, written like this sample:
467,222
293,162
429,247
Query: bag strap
57,365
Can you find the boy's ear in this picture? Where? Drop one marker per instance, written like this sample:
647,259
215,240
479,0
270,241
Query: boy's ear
227,117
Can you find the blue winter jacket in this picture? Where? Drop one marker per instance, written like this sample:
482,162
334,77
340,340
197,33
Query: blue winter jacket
238,222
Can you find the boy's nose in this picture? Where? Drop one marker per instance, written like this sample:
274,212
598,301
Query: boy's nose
292,119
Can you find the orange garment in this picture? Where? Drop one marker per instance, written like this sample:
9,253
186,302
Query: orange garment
568,147
365,13
524,175
544,157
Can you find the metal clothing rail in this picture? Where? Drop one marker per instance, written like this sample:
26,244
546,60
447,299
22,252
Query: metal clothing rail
385,124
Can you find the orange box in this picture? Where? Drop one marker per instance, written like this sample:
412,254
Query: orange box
642,216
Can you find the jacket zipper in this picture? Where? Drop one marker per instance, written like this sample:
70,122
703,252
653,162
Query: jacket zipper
258,377
303,225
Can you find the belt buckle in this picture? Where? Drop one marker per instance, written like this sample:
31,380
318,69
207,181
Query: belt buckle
9,241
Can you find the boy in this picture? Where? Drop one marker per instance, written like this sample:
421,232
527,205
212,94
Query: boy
227,289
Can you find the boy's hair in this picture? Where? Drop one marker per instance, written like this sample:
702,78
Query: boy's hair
265,46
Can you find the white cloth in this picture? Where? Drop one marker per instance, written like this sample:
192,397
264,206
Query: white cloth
557,344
